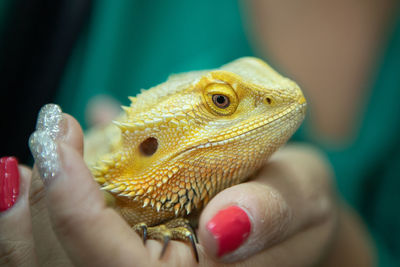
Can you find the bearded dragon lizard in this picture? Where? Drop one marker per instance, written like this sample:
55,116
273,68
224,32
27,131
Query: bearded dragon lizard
180,143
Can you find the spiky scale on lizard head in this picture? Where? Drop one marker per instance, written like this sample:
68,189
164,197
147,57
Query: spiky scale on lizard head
201,132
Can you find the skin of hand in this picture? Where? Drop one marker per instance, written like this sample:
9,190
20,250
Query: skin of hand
296,219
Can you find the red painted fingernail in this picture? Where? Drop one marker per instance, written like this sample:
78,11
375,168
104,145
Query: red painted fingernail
230,227
9,182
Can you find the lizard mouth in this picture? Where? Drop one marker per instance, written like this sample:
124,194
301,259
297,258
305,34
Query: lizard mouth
257,125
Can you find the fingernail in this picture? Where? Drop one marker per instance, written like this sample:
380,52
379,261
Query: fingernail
230,227
50,127
9,182
50,119
44,151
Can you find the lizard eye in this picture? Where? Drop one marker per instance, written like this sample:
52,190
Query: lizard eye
221,101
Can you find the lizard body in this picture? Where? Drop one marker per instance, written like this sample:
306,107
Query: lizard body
181,142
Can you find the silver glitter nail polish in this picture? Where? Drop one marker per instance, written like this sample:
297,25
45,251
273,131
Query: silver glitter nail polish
50,119
44,151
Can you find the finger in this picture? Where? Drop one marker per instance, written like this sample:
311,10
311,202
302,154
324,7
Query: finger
101,110
86,228
50,252
16,240
290,194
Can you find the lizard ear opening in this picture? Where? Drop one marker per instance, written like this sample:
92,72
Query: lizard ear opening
149,146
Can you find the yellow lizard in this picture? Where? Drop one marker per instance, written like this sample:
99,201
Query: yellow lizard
183,141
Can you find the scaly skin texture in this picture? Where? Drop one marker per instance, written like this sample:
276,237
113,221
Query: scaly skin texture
185,140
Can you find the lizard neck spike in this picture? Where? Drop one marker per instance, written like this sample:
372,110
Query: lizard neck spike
124,125
126,109
132,99
108,187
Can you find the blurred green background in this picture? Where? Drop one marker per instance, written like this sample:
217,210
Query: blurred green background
68,51
128,45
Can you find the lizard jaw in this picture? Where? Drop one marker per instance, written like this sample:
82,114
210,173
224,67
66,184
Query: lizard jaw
299,108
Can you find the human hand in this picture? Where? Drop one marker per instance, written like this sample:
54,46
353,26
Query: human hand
289,212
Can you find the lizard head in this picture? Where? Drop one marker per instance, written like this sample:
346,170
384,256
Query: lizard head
188,138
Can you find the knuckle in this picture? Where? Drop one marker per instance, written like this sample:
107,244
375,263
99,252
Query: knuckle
14,253
71,222
278,215
37,195
319,195
312,179
318,198
37,192
6,255
320,209
65,224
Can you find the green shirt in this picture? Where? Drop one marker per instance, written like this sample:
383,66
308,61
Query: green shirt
368,169
130,45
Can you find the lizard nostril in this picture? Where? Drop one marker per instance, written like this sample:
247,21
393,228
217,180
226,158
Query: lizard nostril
149,146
